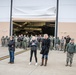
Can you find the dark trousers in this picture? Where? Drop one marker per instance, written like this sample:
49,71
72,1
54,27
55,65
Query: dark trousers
65,47
35,55
21,44
11,54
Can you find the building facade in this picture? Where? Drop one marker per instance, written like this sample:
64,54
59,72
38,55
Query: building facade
43,10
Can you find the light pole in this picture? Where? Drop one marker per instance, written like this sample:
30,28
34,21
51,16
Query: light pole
56,22
11,24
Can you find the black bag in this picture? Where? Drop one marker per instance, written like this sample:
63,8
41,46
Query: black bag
42,51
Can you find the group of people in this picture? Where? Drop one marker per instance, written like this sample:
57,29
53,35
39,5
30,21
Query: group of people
45,49
4,41
33,44
44,44
68,47
20,41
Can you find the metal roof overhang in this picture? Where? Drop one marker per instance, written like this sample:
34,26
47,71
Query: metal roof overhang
34,19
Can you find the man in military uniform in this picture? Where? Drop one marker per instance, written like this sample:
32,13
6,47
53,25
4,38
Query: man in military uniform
16,41
51,43
27,40
57,43
2,41
67,40
70,52
24,42
39,39
6,41
62,43
19,41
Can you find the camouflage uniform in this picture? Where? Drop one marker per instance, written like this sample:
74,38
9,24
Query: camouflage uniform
70,53
51,43
16,41
39,39
2,41
62,44
27,41
24,42
6,41
57,43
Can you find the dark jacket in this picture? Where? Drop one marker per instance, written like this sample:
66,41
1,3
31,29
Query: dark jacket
71,48
19,39
75,48
11,45
33,44
45,46
68,40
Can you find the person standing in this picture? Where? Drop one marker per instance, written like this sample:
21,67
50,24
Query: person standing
57,43
39,41
24,42
67,40
45,49
19,40
2,41
27,41
62,43
70,52
6,41
16,41
11,46
33,44
51,42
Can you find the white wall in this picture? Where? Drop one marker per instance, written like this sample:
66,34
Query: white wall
67,10
4,10
33,8
22,3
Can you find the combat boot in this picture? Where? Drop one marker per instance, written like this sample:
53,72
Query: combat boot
66,64
70,64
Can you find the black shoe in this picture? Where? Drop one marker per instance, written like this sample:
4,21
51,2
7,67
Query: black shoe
70,65
9,62
45,65
12,62
66,65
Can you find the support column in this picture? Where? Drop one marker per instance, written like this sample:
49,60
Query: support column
11,23
56,22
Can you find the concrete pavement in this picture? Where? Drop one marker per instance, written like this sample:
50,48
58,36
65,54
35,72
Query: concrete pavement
56,65
4,51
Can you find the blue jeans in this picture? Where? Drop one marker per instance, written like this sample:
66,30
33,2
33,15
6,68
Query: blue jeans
11,54
45,56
